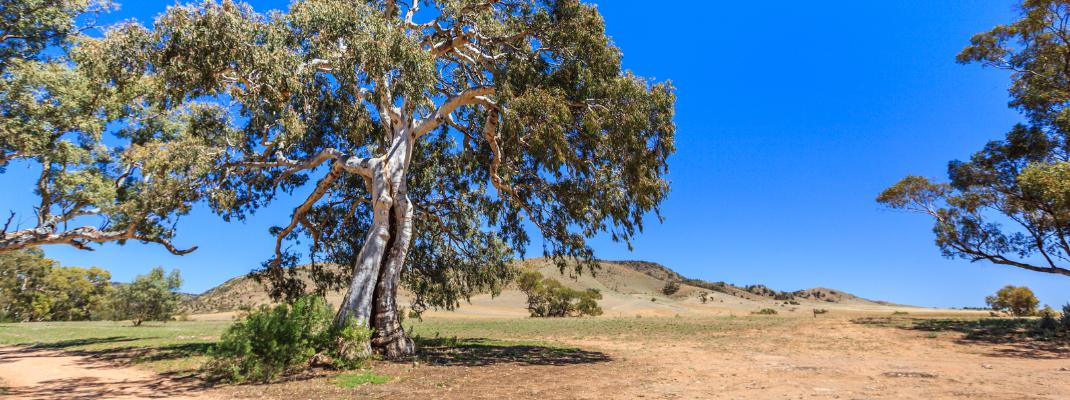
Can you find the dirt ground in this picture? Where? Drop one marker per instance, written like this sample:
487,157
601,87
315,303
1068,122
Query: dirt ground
834,358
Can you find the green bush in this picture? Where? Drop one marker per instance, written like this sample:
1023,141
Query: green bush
765,311
549,298
272,341
1064,320
670,288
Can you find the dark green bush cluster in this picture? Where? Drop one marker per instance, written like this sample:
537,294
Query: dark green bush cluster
765,311
1052,324
272,341
549,298
671,287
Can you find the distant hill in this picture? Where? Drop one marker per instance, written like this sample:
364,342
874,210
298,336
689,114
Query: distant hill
628,287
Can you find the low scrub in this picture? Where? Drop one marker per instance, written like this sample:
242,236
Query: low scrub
273,341
549,298
765,311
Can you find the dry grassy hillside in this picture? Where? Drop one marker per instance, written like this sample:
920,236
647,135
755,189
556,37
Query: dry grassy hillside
628,288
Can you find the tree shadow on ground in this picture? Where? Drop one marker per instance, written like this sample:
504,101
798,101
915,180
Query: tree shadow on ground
95,388
1008,337
141,354
64,344
481,352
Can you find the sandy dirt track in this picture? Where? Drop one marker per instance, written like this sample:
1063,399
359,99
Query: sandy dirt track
43,374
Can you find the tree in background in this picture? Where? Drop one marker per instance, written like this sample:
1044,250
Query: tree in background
74,293
22,277
1017,300
431,135
549,298
670,288
150,297
1023,179
61,95
36,288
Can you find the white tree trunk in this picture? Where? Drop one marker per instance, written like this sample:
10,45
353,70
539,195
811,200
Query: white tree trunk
390,339
371,298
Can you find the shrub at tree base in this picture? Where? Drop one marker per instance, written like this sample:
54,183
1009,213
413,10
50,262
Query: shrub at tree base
272,341
549,298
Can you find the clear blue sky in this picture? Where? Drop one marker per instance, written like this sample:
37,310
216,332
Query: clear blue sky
792,117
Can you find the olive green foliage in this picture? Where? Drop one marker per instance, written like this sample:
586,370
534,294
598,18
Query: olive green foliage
79,111
1020,180
560,138
1017,300
36,288
272,341
766,311
670,288
704,297
549,298
1064,319
151,297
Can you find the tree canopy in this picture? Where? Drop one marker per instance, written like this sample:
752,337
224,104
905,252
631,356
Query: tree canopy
150,297
431,136
1009,204
1017,300
36,288
63,96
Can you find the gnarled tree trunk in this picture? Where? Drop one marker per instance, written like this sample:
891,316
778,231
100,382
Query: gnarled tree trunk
372,295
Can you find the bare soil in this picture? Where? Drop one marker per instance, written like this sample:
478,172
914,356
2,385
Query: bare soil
802,358
822,358
43,374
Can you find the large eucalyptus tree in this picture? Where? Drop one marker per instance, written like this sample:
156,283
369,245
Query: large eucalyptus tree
431,135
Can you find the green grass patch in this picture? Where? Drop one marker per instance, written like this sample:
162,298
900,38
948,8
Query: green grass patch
173,347
547,331
352,380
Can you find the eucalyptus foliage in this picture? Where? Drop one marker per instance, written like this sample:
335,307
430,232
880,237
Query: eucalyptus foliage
1009,204
62,95
427,138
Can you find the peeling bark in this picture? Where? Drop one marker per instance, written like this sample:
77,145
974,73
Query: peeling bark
372,295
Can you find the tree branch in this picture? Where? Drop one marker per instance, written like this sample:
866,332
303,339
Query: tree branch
476,95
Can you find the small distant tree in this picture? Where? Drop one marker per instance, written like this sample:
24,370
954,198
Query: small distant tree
704,297
671,287
1017,300
549,298
151,297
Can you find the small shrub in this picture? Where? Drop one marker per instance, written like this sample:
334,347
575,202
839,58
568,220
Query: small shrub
670,288
900,313
1048,325
765,311
272,341
704,297
1064,320
549,298
819,311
